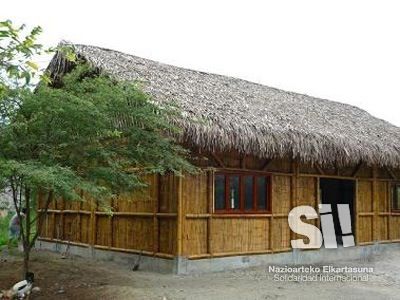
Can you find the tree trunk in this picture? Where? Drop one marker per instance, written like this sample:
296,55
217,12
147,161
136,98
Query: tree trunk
27,236
25,268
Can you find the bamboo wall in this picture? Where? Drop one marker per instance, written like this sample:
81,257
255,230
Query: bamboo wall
174,216
142,222
206,234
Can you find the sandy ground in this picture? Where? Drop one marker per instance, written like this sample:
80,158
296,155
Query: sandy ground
76,278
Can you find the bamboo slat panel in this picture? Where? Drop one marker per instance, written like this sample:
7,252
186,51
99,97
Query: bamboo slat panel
72,205
140,201
383,211
307,194
258,231
136,224
281,193
364,205
103,233
48,226
194,191
195,201
306,191
195,236
133,233
395,228
240,235
374,212
71,230
280,234
85,229
168,193
364,229
364,201
168,236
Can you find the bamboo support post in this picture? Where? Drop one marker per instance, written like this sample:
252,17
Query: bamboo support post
62,220
375,206
93,219
210,199
156,242
293,188
356,231
389,197
179,233
110,224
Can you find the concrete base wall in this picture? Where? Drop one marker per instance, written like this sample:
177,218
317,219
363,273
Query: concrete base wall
182,265
127,259
297,256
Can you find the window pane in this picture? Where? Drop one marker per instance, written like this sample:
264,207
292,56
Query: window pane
219,193
397,205
234,200
261,193
248,192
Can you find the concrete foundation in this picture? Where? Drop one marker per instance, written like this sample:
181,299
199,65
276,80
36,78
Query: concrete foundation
147,263
182,265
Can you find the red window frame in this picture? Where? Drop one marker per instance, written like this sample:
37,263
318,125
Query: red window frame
242,209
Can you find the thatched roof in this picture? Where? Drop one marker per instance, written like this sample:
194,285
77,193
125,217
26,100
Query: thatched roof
225,113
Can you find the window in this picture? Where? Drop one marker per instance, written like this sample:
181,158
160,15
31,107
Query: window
234,191
219,192
396,197
242,192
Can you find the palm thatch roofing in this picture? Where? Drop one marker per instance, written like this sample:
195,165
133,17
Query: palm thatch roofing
223,113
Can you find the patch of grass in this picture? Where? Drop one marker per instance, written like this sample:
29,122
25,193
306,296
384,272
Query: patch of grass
4,229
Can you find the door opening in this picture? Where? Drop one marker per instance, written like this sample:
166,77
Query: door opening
338,191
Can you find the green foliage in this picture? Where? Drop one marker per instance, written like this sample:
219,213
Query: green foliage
17,50
18,70
4,221
92,134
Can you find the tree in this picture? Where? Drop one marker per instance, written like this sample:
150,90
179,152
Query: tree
91,133
18,71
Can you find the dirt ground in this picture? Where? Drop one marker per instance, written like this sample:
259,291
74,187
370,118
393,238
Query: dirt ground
76,278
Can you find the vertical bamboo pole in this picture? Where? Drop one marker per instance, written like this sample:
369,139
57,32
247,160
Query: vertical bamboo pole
179,219
375,206
62,221
389,209
318,199
79,221
93,220
271,230
156,235
271,219
293,188
210,199
356,209
53,229
110,225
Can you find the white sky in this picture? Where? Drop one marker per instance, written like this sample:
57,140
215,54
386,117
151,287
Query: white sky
348,51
